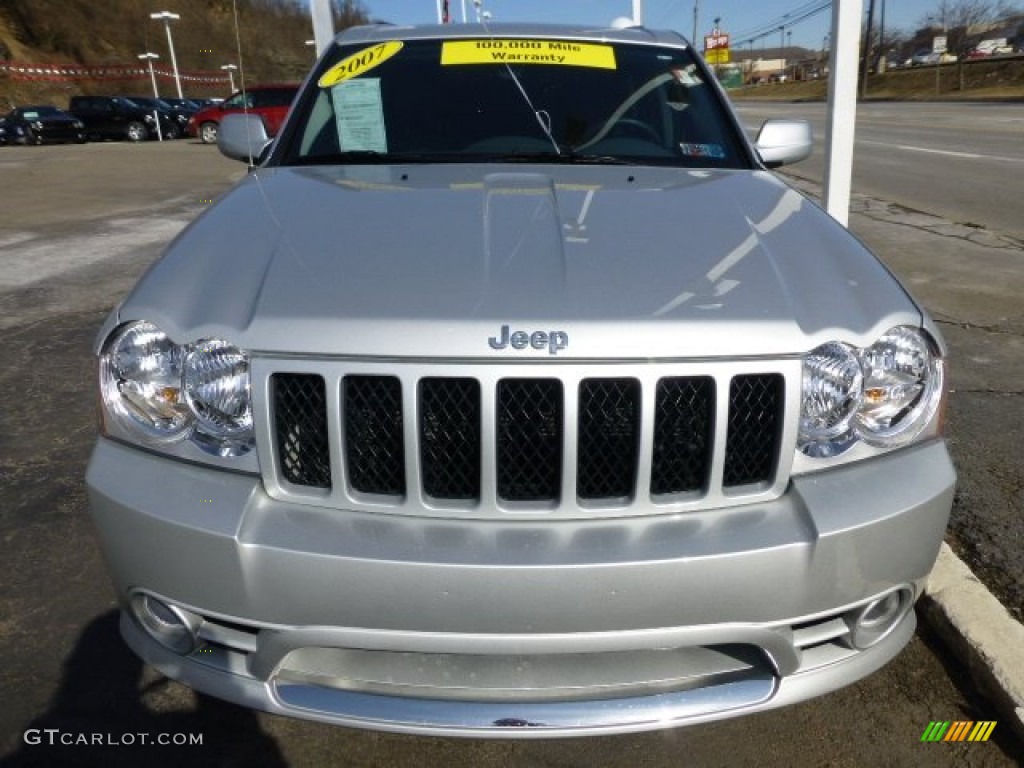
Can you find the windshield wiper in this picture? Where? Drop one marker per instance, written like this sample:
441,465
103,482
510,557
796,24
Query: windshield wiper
567,157
576,157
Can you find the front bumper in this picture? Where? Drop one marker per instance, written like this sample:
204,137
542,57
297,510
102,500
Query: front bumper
518,627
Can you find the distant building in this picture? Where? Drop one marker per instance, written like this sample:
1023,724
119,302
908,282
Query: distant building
763,70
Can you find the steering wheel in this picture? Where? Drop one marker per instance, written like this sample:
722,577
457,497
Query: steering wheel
637,126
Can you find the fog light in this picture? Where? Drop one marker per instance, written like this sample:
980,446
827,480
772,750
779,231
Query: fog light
171,626
870,623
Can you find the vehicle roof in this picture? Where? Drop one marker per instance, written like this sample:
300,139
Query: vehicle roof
381,32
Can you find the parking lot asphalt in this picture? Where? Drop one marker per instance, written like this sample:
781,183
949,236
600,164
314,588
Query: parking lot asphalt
67,669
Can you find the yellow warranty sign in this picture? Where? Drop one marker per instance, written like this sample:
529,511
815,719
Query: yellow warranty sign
359,63
506,51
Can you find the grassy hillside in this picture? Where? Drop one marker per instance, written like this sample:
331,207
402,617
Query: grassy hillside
273,36
999,78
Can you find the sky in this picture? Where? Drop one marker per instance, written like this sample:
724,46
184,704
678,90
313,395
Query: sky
739,17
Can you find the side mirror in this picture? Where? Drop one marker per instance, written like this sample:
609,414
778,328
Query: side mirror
242,137
781,142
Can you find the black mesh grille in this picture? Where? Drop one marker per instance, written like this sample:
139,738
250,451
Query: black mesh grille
755,403
683,420
529,427
374,448
300,426
529,435
450,438
609,420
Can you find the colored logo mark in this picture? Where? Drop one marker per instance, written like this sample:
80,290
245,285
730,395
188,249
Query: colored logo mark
958,730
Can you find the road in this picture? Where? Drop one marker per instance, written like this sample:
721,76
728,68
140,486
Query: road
962,161
62,265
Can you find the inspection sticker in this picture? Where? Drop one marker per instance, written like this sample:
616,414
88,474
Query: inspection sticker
359,63
702,150
505,51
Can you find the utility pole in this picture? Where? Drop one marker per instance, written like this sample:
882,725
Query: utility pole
696,14
789,48
883,62
867,51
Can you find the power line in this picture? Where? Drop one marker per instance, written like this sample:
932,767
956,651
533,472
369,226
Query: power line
750,34
791,19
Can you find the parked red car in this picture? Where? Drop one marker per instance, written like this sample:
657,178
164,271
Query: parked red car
270,102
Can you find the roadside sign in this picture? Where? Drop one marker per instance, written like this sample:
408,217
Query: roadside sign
939,44
716,40
716,48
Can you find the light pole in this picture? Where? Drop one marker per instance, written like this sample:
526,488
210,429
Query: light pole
167,17
696,14
156,95
152,77
230,68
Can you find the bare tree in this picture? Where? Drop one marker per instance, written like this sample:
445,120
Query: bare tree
348,13
961,20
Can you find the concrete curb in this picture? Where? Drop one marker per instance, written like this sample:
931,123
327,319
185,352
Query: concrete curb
981,632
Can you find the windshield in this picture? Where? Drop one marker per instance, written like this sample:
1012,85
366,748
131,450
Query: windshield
508,99
32,113
149,102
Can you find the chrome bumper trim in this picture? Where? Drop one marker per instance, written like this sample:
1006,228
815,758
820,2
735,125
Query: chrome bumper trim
518,719
661,710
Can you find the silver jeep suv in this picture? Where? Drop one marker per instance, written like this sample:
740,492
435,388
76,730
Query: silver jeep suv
526,402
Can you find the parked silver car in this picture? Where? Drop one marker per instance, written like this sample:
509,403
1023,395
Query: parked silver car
523,401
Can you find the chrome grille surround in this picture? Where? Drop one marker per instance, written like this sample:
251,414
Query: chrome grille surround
568,503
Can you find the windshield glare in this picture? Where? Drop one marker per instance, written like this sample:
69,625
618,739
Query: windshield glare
512,98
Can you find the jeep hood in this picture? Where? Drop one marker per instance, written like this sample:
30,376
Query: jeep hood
433,261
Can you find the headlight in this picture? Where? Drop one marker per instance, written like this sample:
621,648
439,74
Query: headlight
832,393
164,393
140,380
216,383
79,125
884,395
902,387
